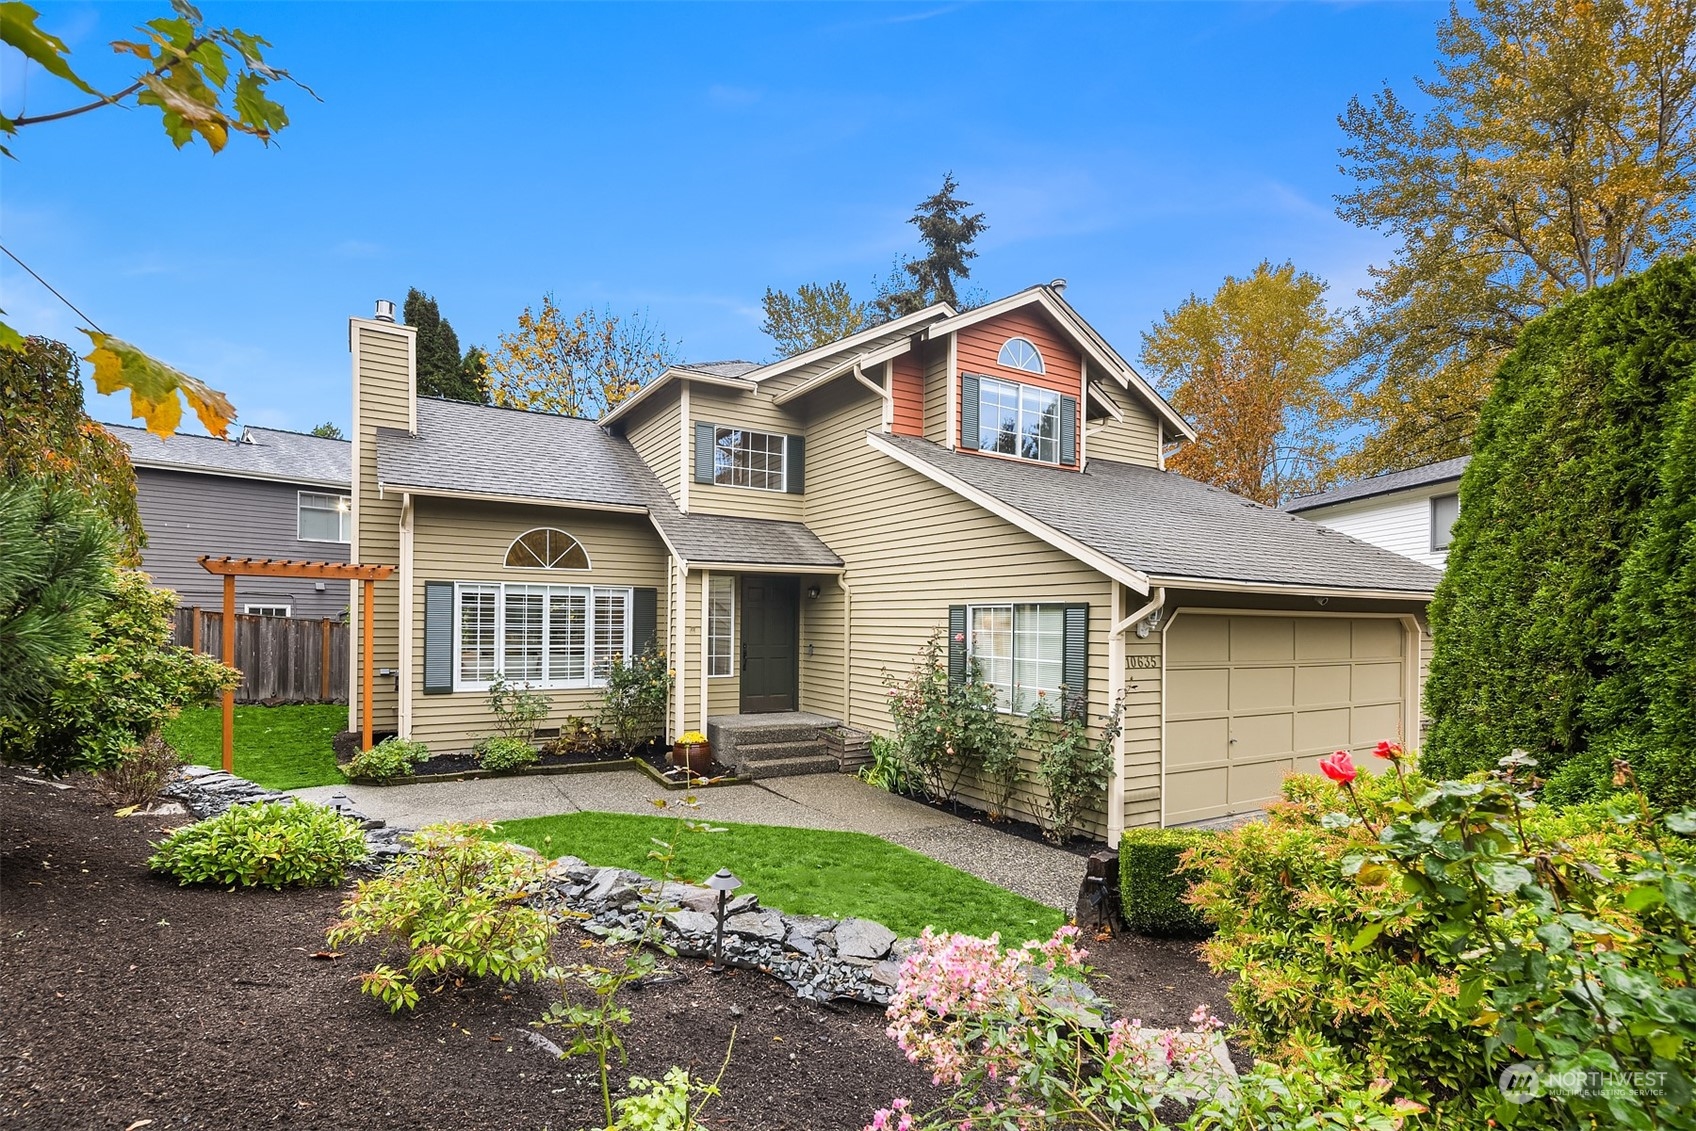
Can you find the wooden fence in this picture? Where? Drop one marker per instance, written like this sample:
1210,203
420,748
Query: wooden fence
282,659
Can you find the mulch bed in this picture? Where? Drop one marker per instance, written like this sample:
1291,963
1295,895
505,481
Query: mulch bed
127,998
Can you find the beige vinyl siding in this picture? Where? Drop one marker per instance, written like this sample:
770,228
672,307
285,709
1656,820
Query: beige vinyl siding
383,393
1136,441
776,386
912,549
1141,720
734,409
455,541
936,391
652,429
821,632
723,692
1426,643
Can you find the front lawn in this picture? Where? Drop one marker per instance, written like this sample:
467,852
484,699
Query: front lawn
278,747
803,872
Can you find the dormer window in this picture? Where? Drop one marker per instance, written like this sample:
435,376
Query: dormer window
546,548
1019,353
1009,418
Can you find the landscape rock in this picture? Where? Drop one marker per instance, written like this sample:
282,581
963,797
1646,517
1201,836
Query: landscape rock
862,938
687,922
766,924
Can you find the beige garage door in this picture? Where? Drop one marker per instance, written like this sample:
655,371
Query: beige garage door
1250,698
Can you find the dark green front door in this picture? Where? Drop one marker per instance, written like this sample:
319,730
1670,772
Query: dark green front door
770,607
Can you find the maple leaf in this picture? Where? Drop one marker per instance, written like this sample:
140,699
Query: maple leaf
154,387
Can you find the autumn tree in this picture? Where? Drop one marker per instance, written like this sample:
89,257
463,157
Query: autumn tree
813,315
1554,153
1252,368
328,431
576,365
947,232
47,437
442,370
206,82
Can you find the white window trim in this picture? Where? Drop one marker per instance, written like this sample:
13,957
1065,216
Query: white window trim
544,684
248,610
732,583
783,478
346,513
1012,608
1431,511
1022,386
1041,364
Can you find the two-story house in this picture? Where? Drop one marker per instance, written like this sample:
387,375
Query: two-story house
792,533
1410,512
265,494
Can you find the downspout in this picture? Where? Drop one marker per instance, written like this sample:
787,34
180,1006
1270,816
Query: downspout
1156,602
706,591
403,679
1116,661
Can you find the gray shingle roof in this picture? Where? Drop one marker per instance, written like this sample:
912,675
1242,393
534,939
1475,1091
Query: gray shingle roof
1166,526
721,368
482,450
263,453
1388,483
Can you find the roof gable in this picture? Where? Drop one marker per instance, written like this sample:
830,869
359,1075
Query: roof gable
1389,483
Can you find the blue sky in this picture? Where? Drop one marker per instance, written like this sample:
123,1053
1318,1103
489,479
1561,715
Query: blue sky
679,159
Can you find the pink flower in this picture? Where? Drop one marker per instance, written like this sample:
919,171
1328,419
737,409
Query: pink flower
1339,767
1388,750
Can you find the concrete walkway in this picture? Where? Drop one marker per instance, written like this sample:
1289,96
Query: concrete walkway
815,801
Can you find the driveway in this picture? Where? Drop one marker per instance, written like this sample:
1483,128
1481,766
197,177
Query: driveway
816,801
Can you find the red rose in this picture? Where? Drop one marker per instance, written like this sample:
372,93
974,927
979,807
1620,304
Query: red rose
1388,750
1339,767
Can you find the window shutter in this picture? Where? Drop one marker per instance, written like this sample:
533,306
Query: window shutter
703,453
968,411
1068,430
795,464
956,645
1074,671
644,619
438,637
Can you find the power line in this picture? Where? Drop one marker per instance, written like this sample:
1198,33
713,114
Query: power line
50,287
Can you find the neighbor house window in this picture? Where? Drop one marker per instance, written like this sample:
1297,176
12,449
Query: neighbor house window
1020,651
1444,510
266,610
542,635
546,548
748,459
1018,420
1020,354
325,518
721,622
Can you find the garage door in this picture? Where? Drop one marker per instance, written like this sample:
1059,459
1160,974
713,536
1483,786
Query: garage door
1250,698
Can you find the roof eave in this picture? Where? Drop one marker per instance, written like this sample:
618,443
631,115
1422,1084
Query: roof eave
1319,502
430,491
225,473
1228,585
675,373
818,353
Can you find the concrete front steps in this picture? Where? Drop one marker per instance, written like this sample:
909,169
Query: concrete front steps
778,745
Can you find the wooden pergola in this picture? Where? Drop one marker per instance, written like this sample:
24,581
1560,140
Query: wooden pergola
231,568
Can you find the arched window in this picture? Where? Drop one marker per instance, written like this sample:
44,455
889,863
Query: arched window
546,548
1020,354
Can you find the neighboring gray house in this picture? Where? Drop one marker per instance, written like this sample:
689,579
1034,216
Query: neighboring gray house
1409,512
266,494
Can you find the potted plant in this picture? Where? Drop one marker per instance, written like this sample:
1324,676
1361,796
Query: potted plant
693,752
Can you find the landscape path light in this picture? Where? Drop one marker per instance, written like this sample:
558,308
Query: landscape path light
723,882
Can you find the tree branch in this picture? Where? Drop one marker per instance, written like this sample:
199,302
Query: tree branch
113,99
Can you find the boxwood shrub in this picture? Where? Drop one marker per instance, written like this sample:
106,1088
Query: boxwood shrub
1152,886
269,844
389,759
505,755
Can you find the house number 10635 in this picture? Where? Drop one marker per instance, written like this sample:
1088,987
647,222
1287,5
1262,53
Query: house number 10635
1142,661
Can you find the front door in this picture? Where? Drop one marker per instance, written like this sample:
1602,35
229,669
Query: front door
769,615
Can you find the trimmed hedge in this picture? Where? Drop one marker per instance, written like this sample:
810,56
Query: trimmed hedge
1566,622
1151,887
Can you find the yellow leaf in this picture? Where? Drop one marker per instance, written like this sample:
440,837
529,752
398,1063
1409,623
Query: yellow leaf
154,387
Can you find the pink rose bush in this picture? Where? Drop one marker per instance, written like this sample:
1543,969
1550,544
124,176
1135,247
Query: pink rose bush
1021,1048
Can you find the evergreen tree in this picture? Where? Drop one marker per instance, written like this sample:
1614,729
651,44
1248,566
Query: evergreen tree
442,370
947,231
328,431
814,315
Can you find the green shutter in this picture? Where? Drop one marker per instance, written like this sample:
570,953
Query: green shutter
438,637
969,411
1074,671
1068,430
956,645
644,619
703,453
795,464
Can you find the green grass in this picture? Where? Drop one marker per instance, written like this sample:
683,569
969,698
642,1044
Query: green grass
278,747
803,872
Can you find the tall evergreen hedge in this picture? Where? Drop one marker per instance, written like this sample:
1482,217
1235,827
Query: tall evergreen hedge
1566,622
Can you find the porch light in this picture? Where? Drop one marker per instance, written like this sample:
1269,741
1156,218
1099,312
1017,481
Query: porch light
813,592
723,882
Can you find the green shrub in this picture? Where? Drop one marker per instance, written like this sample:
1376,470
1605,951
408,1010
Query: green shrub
453,907
142,773
888,768
504,755
634,701
1072,767
947,727
1436,932
517,708
389,759
269,844
1565,623
1152,887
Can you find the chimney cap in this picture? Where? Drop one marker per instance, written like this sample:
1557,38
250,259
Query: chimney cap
1057,285
385,310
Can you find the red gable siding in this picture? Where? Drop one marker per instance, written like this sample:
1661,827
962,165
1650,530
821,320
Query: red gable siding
980,345
907,386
